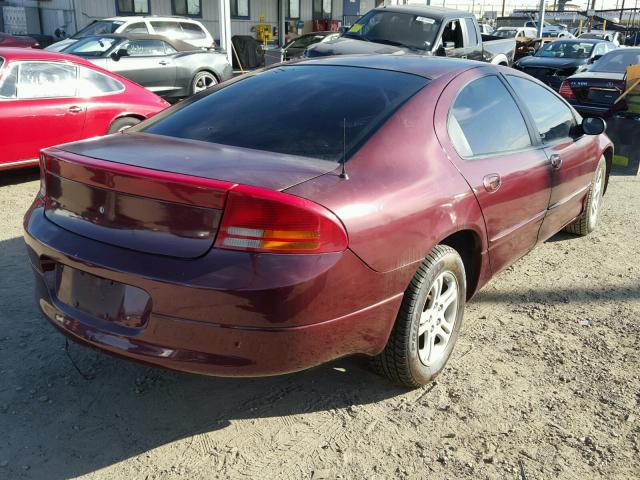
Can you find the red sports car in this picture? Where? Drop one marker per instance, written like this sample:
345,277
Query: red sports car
7,40
346,205
48,98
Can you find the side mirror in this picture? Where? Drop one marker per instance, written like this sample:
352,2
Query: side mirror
595,58
449,45
343,30
120,53
531,51
593,126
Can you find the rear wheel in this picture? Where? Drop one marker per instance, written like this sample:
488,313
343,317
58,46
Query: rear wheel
588,220
428,322
121,124
202,81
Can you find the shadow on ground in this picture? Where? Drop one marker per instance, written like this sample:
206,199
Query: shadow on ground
58,425
21,175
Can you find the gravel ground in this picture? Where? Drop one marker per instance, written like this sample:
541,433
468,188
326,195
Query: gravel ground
544,383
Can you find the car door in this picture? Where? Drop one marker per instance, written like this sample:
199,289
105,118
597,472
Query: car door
472,47
453,40
483,132
573,156
147,63
39,108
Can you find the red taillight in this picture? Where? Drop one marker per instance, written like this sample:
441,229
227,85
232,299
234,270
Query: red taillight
260,220
566,91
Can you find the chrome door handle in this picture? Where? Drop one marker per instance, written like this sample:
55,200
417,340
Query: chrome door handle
163,62
492,182
75,109
556,161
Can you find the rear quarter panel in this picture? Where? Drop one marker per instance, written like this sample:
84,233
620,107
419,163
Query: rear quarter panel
403,195
493,48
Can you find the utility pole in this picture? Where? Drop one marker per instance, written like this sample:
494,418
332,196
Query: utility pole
541,18
503,2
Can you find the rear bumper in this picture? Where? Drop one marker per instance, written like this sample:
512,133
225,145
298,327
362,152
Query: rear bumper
226,313
586,110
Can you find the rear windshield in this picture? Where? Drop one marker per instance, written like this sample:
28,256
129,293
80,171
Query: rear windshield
617,61
505,32
566,50
98,28
299,110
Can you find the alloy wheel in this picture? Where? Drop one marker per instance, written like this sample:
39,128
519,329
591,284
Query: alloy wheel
438,318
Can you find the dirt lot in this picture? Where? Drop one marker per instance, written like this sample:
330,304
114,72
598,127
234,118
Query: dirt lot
544,383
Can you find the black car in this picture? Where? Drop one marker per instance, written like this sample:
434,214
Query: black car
558,60
296,47
170,68
594,92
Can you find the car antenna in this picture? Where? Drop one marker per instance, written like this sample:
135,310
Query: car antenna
343,173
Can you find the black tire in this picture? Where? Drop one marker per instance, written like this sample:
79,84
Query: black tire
121,124
588,219
204,76
400,361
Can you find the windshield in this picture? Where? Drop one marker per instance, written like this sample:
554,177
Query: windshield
305,41
98,28
396,28
505,32
566,50
92,46
617,61
323,104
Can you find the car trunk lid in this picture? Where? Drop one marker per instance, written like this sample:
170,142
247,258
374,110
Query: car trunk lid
598,89
157,194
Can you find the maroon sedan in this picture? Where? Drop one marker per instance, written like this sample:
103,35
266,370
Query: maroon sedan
7,40
48,98
222,236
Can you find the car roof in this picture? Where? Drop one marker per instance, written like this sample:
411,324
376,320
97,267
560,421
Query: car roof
179,45
428,67
437,13
129,18
10,53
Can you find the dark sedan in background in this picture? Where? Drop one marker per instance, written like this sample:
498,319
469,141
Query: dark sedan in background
167,67
296,47
560,59
16,41
594,92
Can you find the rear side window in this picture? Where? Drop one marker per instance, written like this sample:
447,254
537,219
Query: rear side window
138,27
552,116
472,34
192,31
170,29
320,102
9,82
485,120
46,80
93,84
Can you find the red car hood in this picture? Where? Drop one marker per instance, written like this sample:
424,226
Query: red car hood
275,171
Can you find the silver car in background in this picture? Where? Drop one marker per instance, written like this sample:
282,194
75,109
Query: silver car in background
170,68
